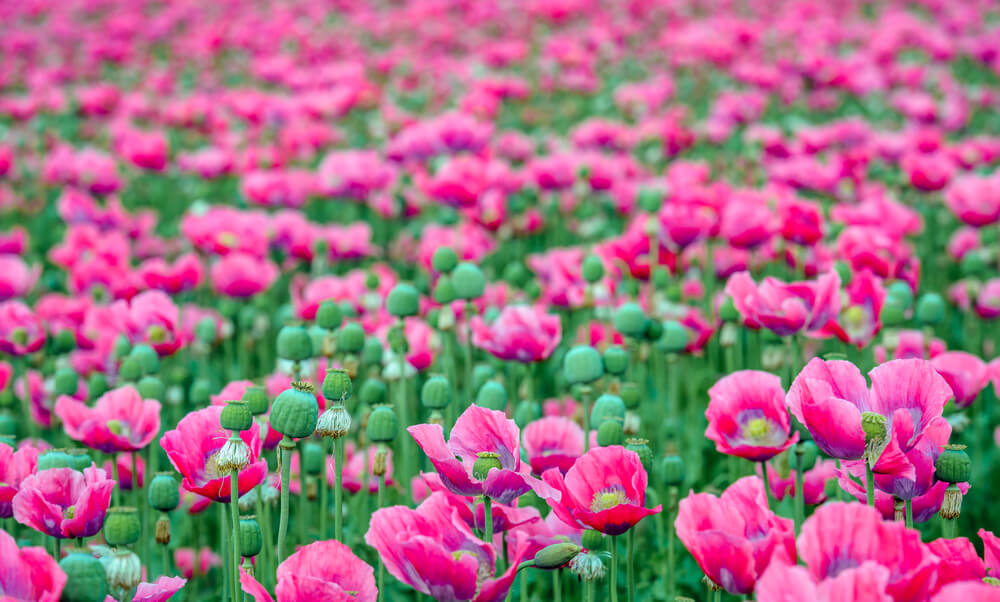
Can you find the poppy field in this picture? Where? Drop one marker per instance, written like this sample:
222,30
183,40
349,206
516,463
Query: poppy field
467,300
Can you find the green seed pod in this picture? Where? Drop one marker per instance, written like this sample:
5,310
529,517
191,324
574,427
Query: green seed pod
444,260
892,312
251,538
436,393
810,454
675,337
236,416
953,465
728,311
97,385
653,331
641,448
294,343
481,374
492,395
257,401
350,338
592,539
582,365
65,381
527,411
206,330
372,392
661,277
844,271
610,433
163,492
121,526
121,346
337,385
403,301
902,292
64,341
382,424
79,459
607,407
592,269
930,309
130,370
295,411
328,315
54,458
485,462
516,274
650,199
615,360
556,555
201,392
469,281
444,290
973,263
672,471
371,354
631,395
312,458
151,387
86,580
148,359
630,320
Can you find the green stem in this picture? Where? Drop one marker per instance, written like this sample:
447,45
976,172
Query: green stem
234,505
338,489
403,411
224,535
869,483
286,447
267,551
381,565
166,559
613,543
303,518
772,504
324,492
800,496
590,587
717,595
585,401
671,545
556,586
116,492
949,528
488,520
630,564
470,393
909,513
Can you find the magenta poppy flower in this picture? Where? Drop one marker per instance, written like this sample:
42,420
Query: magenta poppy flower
860,320
16,278
968,590
987,301
124,461
473,511
322,570
786,308
928,171
813,482
991,550
747,220
151,318
783,582
21,331
192,448
552,442
684,223
910,344
604,490
479,431
354,468
191,564
63,502
747,416
160,590
184,274
121,420
559,275
828,397
28,573
959,561
15,466
974,199
801,221
242,275
733,537
520,333
965,373
433,551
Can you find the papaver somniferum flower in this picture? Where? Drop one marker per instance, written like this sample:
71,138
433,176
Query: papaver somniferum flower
15,466
605,490
152,318
432,550
322,570
829,397
121,420
28,573
747,416
21,331
786,308
552,442
965,373
193,448
847,548
733,537
242,275
520,333
63,502
480,432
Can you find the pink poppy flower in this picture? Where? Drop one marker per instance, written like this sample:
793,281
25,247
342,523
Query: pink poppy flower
987,301
968,590
963,241
683,223
151,318
158,591
552,442
29,573
786,308
959,561
747,416
121,420
521,333
559,275
16,278
991,550
233,390
785,582
801,221
813,482
910,344
828,397
21,331
473,511
63,502
40,400
747,220
974,199
605,490
477,431
15,466
965,373
241,275
433,551
191,564
354,469
124,463
860,321
184,274
192,448
469,241
733,537
322,570
354,174
928,171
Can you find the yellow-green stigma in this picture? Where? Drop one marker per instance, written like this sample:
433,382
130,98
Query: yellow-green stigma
156,333
608,498
116,426
758,430
69,512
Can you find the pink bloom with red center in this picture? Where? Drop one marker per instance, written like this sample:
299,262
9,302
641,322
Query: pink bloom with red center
747,220
241,275
813,482
184,274
192,448
733,537
928,171
479,431
747,416
41,402
605,490
432,550
965,373
828,397
15,466
151,318
521,333
28,574
16,278
160,590
322,570
63,502
963,241
684,223
552,442
354,174
975,199
191,564
21,331
121,420
801,221
786,308
355,463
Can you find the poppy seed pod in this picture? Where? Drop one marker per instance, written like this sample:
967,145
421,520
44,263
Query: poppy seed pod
610,433
630,320
337,385
403,301
902,292
130,370
79,459
492,395
295,411
615,360
444,290
930,309
953,465
672,471
592,539
121,526
257,401
469,281
294,343
97,385
592,269
607,407
328,315
124,573
526,412
444,260
485,462
371,353
151,387
120,347
163,492
147,357
206,330
312,458
631,396
728,311
236,416
641,448
809,453
251,538
372,392
653,330
382,424
892,313
54,458
201,392
674,338
436,393
65,381
556,555
64,341
582,365
86,580
350,338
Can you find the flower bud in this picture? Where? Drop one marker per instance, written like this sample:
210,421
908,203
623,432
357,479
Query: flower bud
630,320
201,392
672,471
372,392
382,424
151,387
809,454
328,315
556,555
650,199
236,416
953,465
97,385
130,370
844,271
65,381
485,461
469,281
930,309
674,338
64,341
892,313
162,533
444,290
312,458
350,338
592,539
295,411
631,395
610,433
120,347
163,492
294,343
901,292
728,311
147,357
86,580
380,465
592,269
403,301
526,411
492,395
121,526
256,399
582,364
251,538
615,360
436,393
444,260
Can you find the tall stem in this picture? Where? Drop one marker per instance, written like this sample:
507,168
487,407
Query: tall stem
613,542
285,449
470,393
630,564
671,550
556,586
869,483
488,519
585,401
234,505
381,565
116,492
324,492
338,489
224,535
772,504
909,513
267,552
800,496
